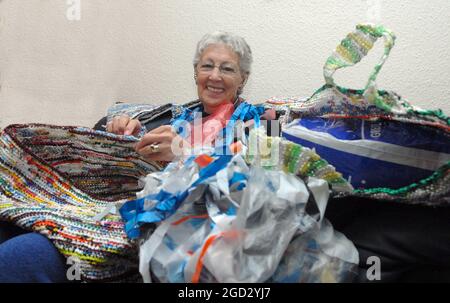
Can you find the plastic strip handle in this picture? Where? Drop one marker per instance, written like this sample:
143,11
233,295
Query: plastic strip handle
353,48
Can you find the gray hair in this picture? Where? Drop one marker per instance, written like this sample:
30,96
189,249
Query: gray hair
235,42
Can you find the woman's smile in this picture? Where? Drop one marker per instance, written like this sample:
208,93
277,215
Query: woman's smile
215,89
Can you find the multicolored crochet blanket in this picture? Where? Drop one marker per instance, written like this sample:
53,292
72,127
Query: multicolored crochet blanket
58,181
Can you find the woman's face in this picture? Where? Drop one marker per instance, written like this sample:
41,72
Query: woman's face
218,76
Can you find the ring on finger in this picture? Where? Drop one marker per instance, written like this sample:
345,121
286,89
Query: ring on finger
154,148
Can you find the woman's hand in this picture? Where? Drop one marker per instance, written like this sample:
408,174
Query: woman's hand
124,125
161,144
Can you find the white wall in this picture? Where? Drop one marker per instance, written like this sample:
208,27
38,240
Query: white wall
57,71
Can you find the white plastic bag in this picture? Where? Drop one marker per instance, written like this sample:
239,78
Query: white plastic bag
248,224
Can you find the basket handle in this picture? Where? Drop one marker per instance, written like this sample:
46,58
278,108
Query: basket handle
353,48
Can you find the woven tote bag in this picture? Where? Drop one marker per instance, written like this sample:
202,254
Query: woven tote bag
386,147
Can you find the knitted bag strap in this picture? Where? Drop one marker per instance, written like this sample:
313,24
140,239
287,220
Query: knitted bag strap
352,49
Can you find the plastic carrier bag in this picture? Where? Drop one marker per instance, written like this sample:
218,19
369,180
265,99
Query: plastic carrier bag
240,218
386,147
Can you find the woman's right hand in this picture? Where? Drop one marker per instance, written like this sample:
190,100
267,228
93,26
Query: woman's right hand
124,125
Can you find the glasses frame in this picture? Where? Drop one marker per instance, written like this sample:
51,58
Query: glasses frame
208,67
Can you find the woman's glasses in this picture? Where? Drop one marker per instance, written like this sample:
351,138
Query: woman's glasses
225,69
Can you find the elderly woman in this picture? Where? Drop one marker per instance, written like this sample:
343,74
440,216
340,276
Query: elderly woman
221,68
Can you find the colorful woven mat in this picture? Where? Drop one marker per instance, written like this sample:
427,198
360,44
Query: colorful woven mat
58,180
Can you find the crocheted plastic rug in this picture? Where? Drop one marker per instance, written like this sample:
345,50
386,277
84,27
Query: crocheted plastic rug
58,181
